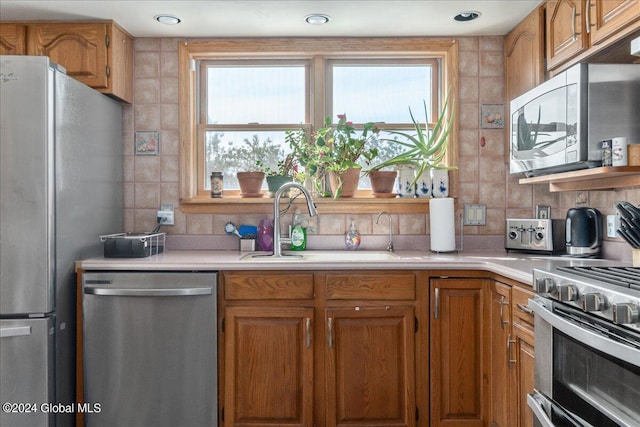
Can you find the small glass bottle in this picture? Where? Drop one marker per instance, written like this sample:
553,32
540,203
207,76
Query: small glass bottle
216,184
352,238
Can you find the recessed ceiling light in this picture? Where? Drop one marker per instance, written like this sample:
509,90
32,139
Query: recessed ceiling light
317,19
468,15
167,19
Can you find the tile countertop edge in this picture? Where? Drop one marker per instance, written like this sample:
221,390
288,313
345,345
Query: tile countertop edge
517,267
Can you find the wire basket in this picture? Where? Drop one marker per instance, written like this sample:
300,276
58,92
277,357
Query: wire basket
132,245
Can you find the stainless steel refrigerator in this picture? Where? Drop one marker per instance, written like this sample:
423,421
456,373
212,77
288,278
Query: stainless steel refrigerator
60,188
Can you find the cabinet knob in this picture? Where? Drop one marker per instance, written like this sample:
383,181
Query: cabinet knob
626,312
593,301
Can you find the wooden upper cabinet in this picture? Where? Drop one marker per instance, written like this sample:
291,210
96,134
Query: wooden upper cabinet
13,39
524,55
566,31
608,17
99,54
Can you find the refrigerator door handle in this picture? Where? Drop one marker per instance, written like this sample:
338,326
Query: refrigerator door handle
136,292
18,331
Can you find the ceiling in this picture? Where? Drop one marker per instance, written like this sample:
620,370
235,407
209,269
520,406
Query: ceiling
284,18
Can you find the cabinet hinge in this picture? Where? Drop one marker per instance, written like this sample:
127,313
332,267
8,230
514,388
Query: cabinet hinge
416,324
107,71
107,40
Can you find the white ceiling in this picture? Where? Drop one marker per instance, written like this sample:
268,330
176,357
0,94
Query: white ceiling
270,18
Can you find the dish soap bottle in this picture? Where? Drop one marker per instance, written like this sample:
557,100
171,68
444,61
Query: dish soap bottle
298,233
352,238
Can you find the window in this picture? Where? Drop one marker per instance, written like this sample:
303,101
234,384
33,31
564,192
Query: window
236,102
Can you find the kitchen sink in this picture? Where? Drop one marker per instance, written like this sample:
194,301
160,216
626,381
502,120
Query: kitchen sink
322,256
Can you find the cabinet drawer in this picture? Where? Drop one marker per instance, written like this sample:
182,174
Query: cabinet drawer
370,287
521,311
265,286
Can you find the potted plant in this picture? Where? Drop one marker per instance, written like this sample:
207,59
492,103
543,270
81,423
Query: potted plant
250,183
336,150
286,170
425,149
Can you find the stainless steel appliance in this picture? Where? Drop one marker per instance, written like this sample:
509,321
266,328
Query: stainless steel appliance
587,341
535,235
560,124
150,348
60,188
583,232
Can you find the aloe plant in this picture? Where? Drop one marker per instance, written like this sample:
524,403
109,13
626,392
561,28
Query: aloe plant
426,148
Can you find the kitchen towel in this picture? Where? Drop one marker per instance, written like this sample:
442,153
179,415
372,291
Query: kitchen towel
442,224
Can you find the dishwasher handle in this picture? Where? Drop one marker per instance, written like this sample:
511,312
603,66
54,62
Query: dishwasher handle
142,292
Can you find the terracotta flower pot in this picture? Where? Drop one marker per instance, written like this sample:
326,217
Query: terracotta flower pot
382,182
349,178
250,183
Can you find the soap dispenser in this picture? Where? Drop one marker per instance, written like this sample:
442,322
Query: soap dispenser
352,238
298,233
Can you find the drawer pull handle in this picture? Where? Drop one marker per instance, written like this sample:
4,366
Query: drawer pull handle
307,332
503,302
330,332
436,313
524,308
510,361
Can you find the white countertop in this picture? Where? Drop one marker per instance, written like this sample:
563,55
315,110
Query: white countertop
511,265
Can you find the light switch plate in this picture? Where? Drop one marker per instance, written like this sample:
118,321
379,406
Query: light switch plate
475,214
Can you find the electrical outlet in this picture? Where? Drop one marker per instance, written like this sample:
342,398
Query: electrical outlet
613,223
165,214
166,217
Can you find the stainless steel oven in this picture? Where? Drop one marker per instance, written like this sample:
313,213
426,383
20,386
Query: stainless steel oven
587,343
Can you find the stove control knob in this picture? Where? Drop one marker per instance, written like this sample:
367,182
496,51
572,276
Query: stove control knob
625,313
545,285
593,301
539,235
567,293
513,235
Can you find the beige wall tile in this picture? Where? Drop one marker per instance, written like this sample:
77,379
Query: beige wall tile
468,144
169,142
199,224
332,224
412,224
169,44
147,117
146,91
169,90
144,220
491,64
468,63
147,65
147,169
147,195
169,169
468,44
468,89
491,43
169,64
469,116
142,44
169,116
128,195
491,90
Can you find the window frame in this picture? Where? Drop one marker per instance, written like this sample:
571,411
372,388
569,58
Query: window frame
319,51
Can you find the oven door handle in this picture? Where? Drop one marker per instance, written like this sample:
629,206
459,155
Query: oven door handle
536,403
592,339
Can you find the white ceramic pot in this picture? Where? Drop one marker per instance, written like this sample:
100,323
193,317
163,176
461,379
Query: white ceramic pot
440,183
423,185
406,175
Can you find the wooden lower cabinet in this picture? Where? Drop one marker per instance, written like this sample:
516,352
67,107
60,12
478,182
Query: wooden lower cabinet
501,340
370,366
458,365
269,366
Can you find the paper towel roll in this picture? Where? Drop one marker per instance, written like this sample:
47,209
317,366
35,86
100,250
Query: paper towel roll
442,224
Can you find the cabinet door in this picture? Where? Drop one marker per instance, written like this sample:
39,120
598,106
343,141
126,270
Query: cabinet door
566,33
524,55
370,366
80,48
458,357
500,337
269,366
524,353
607,17
13,40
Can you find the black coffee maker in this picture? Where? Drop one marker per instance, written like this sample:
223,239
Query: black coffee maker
583,230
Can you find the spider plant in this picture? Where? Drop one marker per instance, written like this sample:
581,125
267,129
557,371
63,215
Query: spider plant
425,149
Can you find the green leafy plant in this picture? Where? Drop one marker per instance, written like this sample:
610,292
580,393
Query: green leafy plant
285,167
426,148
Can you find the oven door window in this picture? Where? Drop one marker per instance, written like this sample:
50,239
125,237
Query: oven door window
603,390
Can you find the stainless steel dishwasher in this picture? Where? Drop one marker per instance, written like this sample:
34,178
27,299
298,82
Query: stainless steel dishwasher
150,348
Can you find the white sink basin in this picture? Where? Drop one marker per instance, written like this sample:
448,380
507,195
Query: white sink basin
322,256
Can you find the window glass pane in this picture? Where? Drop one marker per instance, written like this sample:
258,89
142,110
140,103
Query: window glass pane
381,93
234,151
241,94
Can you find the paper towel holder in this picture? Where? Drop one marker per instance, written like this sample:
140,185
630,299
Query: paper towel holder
456,249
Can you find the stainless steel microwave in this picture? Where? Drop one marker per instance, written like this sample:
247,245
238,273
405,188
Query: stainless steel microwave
559,125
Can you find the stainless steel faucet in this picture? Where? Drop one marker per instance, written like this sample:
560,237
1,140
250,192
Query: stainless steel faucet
390,244
278,240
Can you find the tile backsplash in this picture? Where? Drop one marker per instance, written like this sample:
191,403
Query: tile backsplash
483,162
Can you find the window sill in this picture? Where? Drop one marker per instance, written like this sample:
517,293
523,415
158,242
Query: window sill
325,205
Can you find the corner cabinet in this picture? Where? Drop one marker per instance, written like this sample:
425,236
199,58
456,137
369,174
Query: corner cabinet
97,53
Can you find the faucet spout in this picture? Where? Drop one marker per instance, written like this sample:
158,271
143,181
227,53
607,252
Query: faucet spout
390,244
277,238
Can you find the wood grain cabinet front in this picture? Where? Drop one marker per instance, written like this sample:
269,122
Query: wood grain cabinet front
97,53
